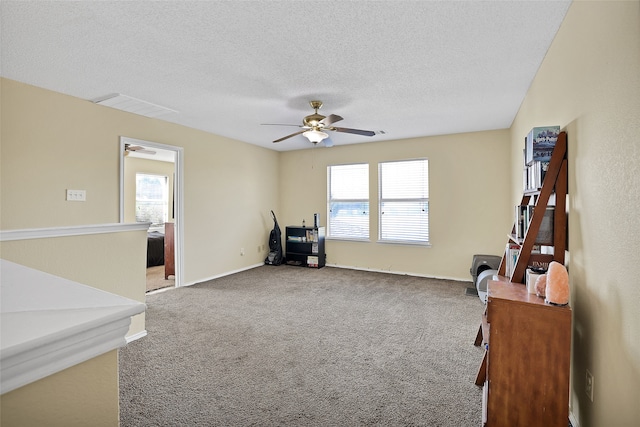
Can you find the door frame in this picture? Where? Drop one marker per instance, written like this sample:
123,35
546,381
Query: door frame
178,198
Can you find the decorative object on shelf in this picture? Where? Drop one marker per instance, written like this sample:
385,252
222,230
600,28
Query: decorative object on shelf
511,254
524,213
540,143
557,288
532,276
541,285
545,232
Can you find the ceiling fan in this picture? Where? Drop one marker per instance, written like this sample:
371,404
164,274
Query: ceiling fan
314,126
128,148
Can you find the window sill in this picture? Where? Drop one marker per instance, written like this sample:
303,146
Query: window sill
348,239
404,242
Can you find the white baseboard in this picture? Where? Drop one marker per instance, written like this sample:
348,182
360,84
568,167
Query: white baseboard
228,273
402,273
137,336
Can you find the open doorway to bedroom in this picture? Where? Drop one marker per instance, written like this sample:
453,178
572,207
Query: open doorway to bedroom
151,192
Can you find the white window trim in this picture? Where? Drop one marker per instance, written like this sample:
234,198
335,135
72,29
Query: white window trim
380,201
329,200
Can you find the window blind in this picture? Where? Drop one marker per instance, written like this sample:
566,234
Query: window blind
404,201
348,201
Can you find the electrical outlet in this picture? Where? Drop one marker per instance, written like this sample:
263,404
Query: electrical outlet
588,385
258,248
241,251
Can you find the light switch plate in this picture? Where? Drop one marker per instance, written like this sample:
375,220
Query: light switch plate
76,195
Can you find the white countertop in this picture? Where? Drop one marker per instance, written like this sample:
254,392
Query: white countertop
48,324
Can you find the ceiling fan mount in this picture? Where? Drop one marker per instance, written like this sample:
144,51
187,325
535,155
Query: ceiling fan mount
314,120
314,126
316,105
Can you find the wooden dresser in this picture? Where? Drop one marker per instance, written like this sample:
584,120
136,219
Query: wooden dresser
169,251
525,369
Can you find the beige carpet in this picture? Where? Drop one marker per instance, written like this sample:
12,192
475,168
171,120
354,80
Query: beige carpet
291,346
156,280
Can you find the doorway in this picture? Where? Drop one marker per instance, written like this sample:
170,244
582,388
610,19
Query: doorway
151,190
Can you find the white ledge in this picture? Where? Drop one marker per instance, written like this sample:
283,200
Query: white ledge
76,230
49,324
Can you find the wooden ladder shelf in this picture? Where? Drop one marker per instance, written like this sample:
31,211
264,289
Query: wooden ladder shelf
555,180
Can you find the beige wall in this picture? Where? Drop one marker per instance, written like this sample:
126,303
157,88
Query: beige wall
83,395
468,180
589,84
132,166
52,142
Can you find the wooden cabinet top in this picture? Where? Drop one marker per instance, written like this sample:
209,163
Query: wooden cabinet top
517,292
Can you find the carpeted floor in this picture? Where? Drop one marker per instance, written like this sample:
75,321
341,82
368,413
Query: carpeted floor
156,280
290,346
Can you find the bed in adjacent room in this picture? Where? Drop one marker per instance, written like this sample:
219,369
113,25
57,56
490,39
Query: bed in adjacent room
155,248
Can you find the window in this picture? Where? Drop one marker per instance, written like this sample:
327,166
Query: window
404,201
152,198
348,201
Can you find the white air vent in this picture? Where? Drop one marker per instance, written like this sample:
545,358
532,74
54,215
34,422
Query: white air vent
133,105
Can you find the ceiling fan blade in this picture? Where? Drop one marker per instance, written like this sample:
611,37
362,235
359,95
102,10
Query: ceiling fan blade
327,121
356,131
137,149
289,136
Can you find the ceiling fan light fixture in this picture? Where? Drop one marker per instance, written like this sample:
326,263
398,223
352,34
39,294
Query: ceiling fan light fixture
315,136
315,125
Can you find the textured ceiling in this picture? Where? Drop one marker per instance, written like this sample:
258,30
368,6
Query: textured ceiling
408,68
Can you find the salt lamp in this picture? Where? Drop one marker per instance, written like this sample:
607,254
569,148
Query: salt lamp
557,290
541,285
